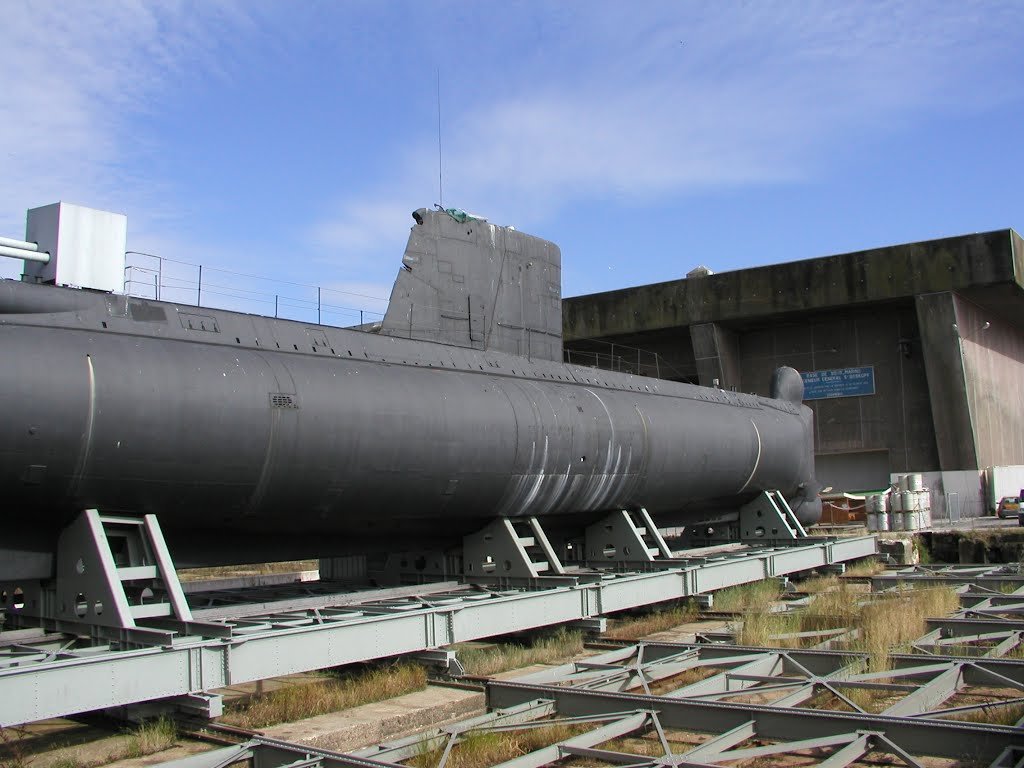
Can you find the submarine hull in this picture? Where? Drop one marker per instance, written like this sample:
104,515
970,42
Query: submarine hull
254,438
250,441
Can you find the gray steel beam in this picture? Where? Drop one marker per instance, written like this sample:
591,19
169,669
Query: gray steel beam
929,695
628,723
915,736
262,647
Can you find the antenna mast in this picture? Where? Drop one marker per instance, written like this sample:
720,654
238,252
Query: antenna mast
440,182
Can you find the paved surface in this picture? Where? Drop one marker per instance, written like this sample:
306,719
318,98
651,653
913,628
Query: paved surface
383,720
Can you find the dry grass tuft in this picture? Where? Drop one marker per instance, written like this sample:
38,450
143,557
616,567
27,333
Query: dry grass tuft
559,646
478,749
838,607
1009,714
298,702
762,629
818,584
658,620
148,738
151,737
681,680
891,623
745,597
633,745
867,567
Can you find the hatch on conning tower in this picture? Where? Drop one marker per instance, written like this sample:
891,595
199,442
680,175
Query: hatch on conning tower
470,283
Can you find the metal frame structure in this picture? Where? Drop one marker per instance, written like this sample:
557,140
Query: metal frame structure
47,672
734,703
758,704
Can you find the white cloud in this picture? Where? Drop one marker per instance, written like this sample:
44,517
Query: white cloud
360,225
73,79
631,107
617,103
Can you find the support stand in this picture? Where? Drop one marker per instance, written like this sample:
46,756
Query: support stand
767,518
113,572
513,548
625,537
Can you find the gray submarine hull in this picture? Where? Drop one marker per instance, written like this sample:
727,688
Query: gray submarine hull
254,438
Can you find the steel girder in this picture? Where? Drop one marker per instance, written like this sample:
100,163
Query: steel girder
47,674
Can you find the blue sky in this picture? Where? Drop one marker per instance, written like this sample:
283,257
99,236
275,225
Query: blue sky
292,140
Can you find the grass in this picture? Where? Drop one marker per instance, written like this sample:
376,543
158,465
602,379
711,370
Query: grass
924,555
297,702
838,607
557,646
479,749
147,738
13,748
658,620
681,680
1007,714
150,737
761,628
891,622
886,624
867,567
746,597
635,746
869,699
818,584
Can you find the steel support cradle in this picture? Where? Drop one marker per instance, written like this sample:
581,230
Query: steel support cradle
47,673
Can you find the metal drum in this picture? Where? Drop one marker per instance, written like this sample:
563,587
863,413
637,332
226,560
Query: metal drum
910,522
872,521
924,504
895,501
896,520
915,482
883,521
908,501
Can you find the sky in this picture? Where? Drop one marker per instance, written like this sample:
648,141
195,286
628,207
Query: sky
292,140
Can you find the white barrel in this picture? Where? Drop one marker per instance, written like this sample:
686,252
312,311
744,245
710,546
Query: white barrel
910,520
924,499
896,520
901,483
908,500
895,501
883,521
915,482
872,521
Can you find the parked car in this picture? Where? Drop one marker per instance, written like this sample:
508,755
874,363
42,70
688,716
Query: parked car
1009,506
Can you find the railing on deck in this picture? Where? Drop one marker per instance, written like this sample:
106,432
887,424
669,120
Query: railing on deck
149,276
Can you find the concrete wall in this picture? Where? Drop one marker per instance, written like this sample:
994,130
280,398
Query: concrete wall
896,419
994,369
949,395
879,275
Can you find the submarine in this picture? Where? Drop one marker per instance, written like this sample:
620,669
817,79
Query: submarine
255,439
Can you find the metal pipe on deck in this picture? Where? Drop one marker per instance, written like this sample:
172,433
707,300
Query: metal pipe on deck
18,252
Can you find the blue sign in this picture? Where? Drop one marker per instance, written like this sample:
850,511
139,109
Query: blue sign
841,382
